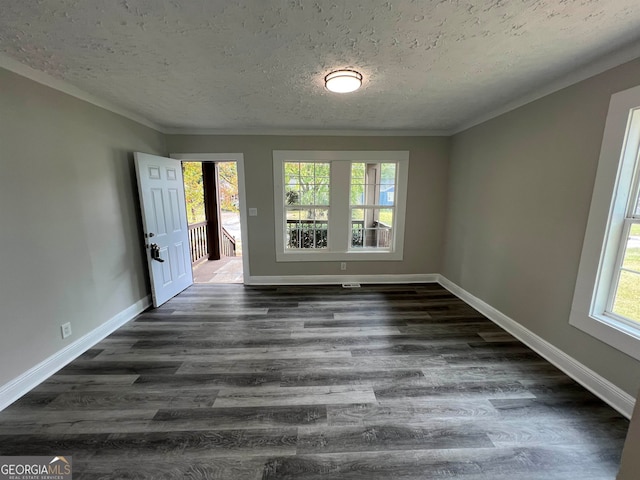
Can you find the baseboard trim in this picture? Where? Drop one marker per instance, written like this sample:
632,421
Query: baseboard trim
596,384
16,388
340,279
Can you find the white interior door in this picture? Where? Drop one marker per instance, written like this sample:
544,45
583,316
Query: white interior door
164,219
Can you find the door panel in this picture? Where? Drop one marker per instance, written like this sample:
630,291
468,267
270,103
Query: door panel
174,200
164,218
159,227
180,260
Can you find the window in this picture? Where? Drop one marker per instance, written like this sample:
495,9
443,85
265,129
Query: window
624,300
334,205
606,302
371,225
306,198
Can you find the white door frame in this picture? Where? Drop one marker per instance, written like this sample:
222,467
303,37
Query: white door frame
239,159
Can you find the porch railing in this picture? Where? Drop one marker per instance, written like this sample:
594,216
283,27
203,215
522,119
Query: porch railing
198,245
378,235
228,244
313,234
306,233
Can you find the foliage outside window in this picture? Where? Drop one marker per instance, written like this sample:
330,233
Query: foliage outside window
307,204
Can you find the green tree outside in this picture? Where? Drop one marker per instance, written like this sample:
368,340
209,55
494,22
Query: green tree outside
193,191
228,186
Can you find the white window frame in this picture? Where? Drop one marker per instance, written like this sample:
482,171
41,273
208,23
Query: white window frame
605,235
339,230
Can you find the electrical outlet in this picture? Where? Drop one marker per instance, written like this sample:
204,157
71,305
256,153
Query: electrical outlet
343,265
66,330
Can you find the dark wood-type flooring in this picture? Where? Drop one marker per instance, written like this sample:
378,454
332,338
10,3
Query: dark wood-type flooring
382,382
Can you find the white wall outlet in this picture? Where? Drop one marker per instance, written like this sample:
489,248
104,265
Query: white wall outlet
66,330
253,212
343,265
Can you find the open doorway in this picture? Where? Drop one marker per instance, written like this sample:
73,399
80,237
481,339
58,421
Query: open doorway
213,215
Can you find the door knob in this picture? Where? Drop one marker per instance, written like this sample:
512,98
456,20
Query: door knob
155,253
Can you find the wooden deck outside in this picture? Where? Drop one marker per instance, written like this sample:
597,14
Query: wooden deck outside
225,270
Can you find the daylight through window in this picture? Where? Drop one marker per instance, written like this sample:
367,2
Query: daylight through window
372,204
625,291
306,198
339,205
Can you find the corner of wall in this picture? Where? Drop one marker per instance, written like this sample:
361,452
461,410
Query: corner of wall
596,384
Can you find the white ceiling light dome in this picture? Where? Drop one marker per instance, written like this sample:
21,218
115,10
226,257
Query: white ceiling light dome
343,81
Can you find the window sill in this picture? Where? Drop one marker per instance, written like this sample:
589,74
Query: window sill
326,256
609,330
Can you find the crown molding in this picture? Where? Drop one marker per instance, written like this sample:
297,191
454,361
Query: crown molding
602,64
309,132
47,80
43,78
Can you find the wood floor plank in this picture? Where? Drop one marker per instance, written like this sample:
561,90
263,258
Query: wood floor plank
316,382
219,468
240,417
254,397
251,353
198,443
319,377
81,367
489,389
112,400
346,363
205,468
388,437
400,412
75,421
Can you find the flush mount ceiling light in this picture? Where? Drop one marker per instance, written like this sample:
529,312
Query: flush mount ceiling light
343,81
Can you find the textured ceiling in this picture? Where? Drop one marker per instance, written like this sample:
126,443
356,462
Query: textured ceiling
256,64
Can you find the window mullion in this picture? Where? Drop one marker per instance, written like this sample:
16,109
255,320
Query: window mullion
339,212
